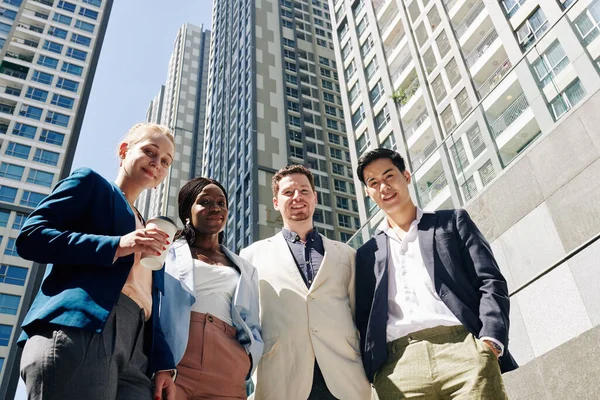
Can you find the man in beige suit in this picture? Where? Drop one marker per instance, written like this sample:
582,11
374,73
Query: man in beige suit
307,303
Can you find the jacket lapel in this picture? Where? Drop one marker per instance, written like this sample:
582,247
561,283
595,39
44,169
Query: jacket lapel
284,259
427,242
183,267
329,258
381,255
124,220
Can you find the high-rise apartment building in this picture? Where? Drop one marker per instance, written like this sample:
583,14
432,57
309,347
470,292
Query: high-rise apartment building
180,105
493,103
49,51
274,100
459,87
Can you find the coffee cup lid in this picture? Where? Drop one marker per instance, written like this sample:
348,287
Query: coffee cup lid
163,218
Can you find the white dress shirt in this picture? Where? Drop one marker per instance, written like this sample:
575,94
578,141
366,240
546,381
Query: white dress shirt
413,303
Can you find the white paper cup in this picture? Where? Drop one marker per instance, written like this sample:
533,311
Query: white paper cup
166,225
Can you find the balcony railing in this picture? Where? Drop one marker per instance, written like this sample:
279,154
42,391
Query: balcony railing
387,20
437,186
398,71
481,47
510,115
495,78
415,124
18,56
26,42
49,3
13,72
420,158
389,48
378,4
467,21
449,4
7,109
402,96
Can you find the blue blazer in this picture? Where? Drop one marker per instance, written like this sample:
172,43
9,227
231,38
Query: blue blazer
76,231
176,304
465,275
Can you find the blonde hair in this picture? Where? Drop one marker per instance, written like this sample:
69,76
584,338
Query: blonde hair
140,131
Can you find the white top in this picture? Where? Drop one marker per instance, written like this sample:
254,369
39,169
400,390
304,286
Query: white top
214,287
413,303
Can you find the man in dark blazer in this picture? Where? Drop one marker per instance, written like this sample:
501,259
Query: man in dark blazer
432,307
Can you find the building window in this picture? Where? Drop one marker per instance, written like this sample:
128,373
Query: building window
24,130
339,185
76,54
37,94
19,221
362,25
96,3
43,77
296,152
354,92
11,171
71,69
335,153
57,118
389,142
350,70
344,221
346,50
84,26
57,32
9,304
512,6
588,22
52,137
487,173
47,62
38,177
62,19
13,275
532,29
439,90
18,150
66,6
550,63
448,120
86,12
31,199
376,93
475,140
463,103
7,194
363,143
62,101
4,215
367,46
469,188
372,67
52,46
11,248
567,99
382,119
342,203
5,332
452,72
80,39
358,116
337,169
459,154
46,157
443,44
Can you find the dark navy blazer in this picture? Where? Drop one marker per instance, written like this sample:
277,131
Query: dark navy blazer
76,231
466,277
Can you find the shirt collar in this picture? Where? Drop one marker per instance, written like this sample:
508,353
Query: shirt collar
384,226
293,237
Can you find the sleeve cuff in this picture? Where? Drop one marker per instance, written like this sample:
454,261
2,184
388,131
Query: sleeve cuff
491,339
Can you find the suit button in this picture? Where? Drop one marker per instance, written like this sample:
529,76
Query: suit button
210,318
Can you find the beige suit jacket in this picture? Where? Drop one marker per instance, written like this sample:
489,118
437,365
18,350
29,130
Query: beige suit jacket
300,324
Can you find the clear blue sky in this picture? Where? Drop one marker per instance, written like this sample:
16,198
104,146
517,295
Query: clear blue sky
133,64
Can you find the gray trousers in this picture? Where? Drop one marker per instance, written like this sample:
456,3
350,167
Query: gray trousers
69,363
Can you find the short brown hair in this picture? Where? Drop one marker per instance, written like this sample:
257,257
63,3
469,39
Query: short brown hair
290,170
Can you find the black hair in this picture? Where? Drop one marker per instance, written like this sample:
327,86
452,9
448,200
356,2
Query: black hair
187,196
376,154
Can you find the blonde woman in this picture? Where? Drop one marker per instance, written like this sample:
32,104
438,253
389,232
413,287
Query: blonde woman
91,332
